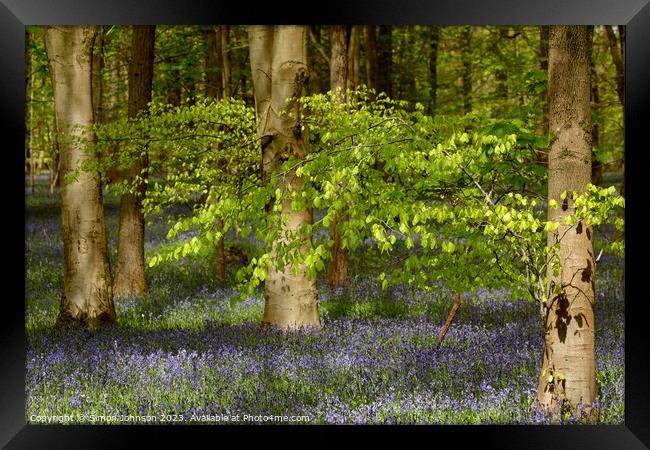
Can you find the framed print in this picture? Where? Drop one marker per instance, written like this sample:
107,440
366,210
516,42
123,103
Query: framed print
340,218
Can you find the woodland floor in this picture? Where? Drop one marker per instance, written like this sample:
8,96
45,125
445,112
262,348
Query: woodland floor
189,349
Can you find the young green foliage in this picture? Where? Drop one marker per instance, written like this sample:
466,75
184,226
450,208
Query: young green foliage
453,201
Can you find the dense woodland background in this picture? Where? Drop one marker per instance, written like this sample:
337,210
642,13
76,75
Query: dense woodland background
493,71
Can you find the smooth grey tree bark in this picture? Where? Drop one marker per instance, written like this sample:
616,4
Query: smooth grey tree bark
87,297
568,376
278,57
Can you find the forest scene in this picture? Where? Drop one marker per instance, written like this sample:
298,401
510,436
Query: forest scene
336,224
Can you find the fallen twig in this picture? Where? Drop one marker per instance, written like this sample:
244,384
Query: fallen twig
451,316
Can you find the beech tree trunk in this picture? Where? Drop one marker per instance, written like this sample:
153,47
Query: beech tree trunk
543,64
372,59
129,276
596,166
337,270
354,57
278,57
215,89
98,85
568,377
55,165
213,63
113,97
87,298
339,60
97,66
617,50
224,30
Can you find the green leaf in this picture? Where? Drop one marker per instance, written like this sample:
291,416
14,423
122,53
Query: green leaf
448,247
378,232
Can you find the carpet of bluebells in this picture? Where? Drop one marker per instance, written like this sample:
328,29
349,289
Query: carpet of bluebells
189,349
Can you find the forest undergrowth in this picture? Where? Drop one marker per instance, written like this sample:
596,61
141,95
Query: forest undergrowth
190,349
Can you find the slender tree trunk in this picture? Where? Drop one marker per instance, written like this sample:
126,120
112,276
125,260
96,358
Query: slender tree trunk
596,166
407,84
87,297
42,144
174,95
122,86
233,61
112,107
385,49
56,160
129,276
28,126
354,57
568,376
213,63
113,98
621,36
220,255
618,56
98,85
224,30
40,126
40,164
621,39
621,30
337,270
240,62
466,58
278,55
215,89
543,64
542,157
97,66
339,60
32,159
372,58
433,68
46,148
617,50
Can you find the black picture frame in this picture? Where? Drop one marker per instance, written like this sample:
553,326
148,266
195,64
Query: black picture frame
635,14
